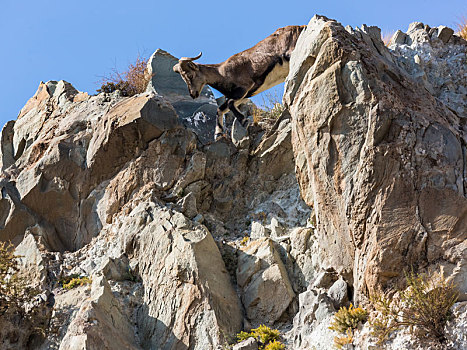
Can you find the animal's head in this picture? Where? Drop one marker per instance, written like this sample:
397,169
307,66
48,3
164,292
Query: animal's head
190,74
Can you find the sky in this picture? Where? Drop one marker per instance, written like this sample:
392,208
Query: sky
81,41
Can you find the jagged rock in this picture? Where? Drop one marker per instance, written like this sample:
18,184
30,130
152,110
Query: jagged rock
259,231
6,145
100,323
247,344
266,289
311,323
119,188
125,129
381,160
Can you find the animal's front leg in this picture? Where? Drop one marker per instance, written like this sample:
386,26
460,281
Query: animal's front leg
220,120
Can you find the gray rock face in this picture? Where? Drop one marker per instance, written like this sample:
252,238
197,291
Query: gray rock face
381,160
430,56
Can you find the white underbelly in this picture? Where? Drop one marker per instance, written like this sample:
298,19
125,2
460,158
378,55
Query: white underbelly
275,77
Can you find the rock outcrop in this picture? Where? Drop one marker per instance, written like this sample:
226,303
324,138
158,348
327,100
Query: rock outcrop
379,157
188,241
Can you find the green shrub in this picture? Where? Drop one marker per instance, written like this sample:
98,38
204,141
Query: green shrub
130,82
243,336
264,335
74,281
275,345
425,304
345,321
14,291
348,318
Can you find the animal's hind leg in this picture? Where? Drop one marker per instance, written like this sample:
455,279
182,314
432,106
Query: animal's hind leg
240,117
220,120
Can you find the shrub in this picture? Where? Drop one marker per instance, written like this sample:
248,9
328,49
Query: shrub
14,291
275,345
386,37
425,304
345,321
348,318
272,108
339,342
130,82
244,240
462,28
265,336
243,336
74,281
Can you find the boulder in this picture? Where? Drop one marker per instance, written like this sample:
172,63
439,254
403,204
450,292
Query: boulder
263,279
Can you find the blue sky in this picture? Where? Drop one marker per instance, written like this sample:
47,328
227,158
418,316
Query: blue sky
79,41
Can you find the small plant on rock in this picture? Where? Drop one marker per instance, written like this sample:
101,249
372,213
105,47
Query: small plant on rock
345,321
244,240
244,336
74,281
462,28
267,337
271,108
14,291
275,345
130,82
425,305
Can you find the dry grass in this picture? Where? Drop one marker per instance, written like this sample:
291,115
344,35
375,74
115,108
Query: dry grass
271,107
130,82
424,307
386,37
462,28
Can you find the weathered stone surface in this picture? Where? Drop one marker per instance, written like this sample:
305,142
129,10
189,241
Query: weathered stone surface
338,293
127,127
247,344
119,189
99,323
310,324
266,289
378,157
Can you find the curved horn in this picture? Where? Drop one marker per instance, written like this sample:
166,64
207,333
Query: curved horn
191,58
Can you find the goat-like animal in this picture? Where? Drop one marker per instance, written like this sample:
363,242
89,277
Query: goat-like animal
243,75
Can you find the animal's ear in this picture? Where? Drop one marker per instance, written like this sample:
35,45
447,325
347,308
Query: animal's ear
176,68
193,65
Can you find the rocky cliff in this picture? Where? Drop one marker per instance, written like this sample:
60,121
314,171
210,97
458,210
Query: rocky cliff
189,241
